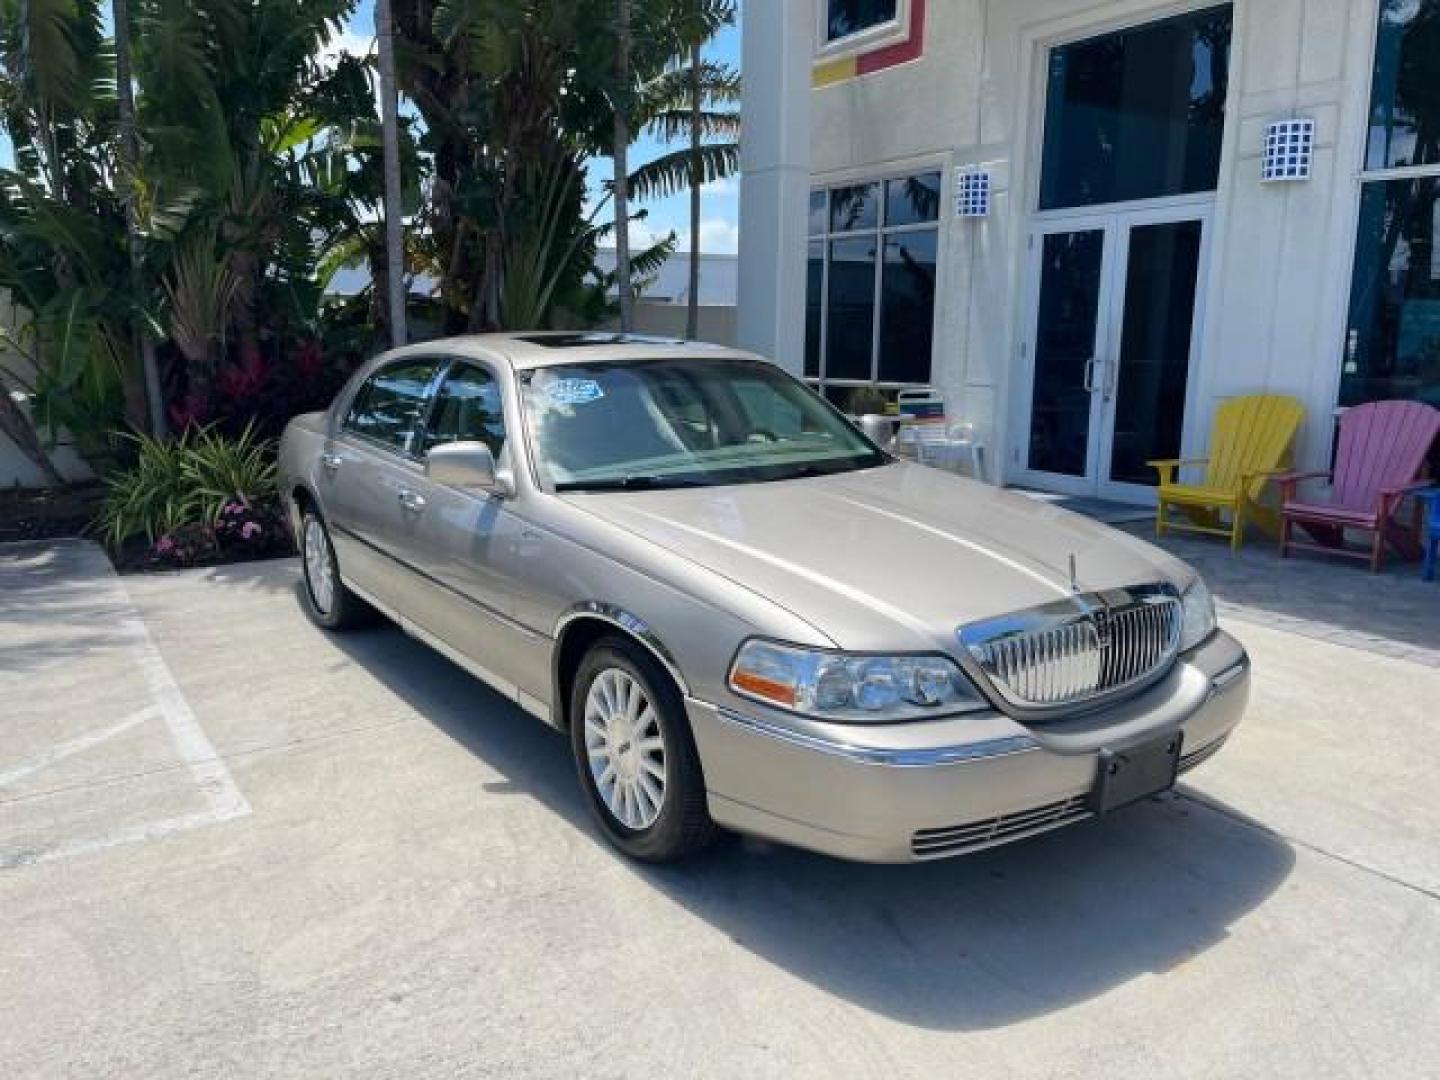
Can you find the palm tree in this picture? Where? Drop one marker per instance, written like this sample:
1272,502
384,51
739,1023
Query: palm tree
390,136
621,157
129,152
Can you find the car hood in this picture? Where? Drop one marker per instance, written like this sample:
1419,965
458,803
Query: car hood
895,554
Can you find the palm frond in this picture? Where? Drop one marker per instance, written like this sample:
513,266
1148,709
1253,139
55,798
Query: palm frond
669,174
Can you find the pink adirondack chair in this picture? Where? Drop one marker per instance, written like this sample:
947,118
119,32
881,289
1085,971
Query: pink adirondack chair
1383,447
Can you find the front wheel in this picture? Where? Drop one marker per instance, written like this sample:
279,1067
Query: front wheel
328,602
636,756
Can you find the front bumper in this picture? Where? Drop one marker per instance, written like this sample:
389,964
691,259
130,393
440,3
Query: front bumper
914,791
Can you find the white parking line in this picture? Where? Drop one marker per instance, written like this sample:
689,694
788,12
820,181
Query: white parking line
190,740
61,751
224,801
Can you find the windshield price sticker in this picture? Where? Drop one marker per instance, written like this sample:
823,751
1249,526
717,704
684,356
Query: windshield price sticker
574,391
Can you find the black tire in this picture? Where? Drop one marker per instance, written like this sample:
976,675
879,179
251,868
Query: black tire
683,824
345,610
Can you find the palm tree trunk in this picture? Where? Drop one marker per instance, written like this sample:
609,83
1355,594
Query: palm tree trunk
390,138
692,314
130,163
621,157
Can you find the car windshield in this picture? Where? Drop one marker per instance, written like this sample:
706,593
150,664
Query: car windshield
683,423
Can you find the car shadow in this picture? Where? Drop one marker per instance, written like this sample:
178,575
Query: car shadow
971,943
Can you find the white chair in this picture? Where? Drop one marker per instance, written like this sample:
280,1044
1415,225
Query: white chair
952,447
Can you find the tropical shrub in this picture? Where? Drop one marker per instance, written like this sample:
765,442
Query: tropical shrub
192,481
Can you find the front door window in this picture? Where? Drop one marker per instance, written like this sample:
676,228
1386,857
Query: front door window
1149,380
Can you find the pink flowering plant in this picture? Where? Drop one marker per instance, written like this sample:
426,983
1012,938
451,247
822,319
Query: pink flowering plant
200,498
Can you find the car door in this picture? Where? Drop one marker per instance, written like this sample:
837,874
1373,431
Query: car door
370,475
465,540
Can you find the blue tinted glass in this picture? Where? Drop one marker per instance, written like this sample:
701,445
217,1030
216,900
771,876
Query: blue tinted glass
854,208
814,284
911,200
1137,114
907,306
1405,94
851,322
1393,348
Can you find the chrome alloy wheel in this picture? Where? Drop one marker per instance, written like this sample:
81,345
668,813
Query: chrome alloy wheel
319,566
625,748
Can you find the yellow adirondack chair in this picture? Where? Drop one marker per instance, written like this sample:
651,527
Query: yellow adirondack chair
1250,443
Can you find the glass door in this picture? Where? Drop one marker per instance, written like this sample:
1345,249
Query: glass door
1147,378
1069,298
1113,319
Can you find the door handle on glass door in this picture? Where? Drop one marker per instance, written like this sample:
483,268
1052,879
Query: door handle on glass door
411,501
1089,377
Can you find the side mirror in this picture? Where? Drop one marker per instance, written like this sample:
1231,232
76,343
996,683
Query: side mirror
469,466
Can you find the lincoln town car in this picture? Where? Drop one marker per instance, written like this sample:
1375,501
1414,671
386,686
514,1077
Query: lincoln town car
743,613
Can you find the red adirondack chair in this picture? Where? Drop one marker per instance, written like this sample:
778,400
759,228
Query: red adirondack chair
1383,447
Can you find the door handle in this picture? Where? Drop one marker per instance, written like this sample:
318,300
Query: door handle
1112,377
411,501
1089,377
331,461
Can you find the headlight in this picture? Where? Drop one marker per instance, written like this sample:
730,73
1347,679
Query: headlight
1199,610
851,687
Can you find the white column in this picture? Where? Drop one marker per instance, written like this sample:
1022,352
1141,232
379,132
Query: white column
775,182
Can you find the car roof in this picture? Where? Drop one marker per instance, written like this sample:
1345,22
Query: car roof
530,350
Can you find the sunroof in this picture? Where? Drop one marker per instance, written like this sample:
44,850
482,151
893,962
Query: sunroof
590,338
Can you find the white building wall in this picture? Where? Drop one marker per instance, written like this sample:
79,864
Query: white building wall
1274,299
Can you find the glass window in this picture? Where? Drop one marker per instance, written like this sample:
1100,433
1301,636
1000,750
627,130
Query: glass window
850,325
814,306
912,200
907,306
846,17
874,265
1393,347
1405,93
390,407
1137,114
683,423
854,208
468,409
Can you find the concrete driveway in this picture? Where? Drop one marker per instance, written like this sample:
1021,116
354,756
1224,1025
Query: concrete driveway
233,846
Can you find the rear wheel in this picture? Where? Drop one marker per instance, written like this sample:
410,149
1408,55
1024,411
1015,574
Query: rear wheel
327,601
636,756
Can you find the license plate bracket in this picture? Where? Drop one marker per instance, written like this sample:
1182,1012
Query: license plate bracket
1136,772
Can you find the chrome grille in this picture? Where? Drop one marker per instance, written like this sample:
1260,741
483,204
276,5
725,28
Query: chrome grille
973,835
1079,649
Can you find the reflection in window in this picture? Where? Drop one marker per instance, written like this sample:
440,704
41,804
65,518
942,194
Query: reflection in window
1393,349
911,200
1137,114
1405,94
853,208
468,409
907,307
851,308
814,306
390,407
846,17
